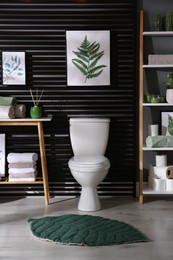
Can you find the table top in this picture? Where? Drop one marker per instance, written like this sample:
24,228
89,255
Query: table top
26,119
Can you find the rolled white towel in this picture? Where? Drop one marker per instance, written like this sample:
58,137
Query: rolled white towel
22,157
21,170
7,101
7,112
19,110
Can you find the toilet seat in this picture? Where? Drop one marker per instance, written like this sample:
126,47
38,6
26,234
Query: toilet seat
84,163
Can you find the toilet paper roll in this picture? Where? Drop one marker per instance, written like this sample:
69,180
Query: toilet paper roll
164,172
159,184
152,171
169,184
150,182
169,173
161,160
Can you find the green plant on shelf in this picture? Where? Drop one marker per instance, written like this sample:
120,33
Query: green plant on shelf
169,82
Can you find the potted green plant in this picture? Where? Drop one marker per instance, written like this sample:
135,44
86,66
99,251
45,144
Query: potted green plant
169,85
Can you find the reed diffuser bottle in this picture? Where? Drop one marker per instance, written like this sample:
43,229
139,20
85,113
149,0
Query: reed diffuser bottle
36,109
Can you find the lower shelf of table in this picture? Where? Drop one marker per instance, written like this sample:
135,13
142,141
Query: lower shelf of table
4,180
148,191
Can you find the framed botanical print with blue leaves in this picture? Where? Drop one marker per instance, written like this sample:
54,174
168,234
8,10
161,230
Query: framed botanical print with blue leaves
88,58
13,68
2,155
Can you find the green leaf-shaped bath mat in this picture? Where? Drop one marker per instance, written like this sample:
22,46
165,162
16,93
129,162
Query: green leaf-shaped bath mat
84,230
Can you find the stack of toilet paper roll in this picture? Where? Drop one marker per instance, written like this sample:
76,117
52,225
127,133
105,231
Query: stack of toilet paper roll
161,176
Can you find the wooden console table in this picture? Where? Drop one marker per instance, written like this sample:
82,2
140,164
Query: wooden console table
39,123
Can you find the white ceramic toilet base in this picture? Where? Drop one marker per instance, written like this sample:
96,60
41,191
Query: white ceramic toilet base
89,200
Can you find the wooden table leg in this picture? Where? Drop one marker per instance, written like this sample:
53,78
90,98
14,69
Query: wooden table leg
141,187
43,162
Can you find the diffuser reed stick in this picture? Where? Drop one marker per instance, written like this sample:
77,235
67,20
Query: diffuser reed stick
32,97
37,99
40,97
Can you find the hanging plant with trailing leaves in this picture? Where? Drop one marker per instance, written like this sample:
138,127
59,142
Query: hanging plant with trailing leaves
88,55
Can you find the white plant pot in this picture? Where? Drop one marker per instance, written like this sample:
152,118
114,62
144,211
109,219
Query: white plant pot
169,96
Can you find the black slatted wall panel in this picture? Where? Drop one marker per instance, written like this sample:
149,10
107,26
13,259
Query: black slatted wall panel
39,28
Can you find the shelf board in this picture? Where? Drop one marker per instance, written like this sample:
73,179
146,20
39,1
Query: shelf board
26,119
157,66
157,149
4,180
161,33
149,191
157,104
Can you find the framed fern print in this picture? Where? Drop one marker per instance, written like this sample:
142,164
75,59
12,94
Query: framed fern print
88,58
167,123
13,68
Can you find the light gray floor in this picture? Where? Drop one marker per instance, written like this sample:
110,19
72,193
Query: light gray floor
154,218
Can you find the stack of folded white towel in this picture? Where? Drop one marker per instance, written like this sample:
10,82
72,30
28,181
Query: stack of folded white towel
10,109
22,167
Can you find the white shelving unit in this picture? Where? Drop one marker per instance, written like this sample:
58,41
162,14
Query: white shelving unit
143,190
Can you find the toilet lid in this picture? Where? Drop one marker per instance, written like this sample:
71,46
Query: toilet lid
95,160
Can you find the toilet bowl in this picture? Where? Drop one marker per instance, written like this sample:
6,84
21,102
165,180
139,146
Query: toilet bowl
89,172
89,166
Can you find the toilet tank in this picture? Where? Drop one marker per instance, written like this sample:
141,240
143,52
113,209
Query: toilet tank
89,136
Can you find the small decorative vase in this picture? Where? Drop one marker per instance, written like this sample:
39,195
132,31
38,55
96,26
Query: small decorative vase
169,96
169,21
35,112
158,23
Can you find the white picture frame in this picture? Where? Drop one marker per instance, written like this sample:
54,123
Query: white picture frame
83,70
2,155
164,122
13,68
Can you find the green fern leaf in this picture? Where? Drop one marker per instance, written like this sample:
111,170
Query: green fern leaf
82,70
94,49
80,62
91,45
97,55
82,51
81,56
94,62
95,75
85,43
96,68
